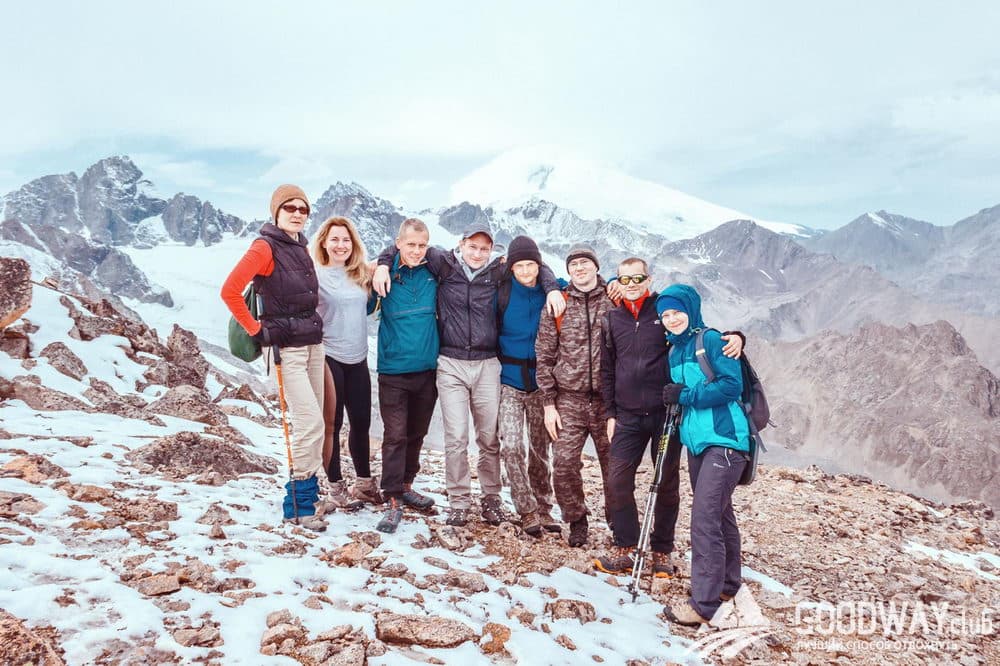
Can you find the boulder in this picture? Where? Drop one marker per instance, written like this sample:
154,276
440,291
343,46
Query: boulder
15,344
32,468
186,364
29,389
64,360
431,632
187,453
191,403
21,645
157,584
15,297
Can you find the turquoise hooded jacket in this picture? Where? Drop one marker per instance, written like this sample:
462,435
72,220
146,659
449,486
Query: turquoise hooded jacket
711,414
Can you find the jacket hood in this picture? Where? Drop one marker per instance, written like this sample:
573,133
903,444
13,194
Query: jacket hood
687,295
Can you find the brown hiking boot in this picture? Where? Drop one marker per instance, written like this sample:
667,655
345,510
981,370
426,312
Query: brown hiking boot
366,490
531,524
663,565
314,522
492,511
618,561
549,524
337,497
682,613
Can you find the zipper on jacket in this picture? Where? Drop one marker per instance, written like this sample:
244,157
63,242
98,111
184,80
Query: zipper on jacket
590,344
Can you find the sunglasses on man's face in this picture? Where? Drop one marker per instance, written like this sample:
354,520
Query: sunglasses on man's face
291,208
634,279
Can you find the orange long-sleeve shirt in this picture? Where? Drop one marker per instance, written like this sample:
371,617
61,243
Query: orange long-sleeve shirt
257,261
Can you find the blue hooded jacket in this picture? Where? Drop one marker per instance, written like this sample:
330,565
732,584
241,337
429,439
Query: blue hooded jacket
711,413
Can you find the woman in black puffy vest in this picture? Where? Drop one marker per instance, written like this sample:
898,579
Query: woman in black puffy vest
283,274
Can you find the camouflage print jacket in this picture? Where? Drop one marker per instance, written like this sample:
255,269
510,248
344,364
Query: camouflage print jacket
569,356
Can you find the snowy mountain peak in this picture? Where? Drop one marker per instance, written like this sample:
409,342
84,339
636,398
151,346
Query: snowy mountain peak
594,190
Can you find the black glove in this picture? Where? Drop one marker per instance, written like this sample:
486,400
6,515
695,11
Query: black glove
259,337
672,394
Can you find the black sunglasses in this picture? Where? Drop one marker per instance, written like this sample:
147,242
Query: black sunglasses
292,208
634,279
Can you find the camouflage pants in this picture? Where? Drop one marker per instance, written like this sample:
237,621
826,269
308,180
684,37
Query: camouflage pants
531,484
581,415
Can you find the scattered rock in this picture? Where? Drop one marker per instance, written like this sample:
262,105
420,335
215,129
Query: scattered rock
432,632
470,582
565,641
561,609
283,616
157,584
14,504
437,562
15,344
216,514
216,533
29,389
187,366
494,638
206,636
350,554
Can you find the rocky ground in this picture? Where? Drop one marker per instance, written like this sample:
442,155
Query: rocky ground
139,523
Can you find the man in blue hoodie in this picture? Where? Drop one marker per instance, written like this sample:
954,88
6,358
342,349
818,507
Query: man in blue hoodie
715,432
520,301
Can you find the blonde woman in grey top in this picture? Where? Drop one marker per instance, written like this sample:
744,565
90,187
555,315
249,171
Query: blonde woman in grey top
344,289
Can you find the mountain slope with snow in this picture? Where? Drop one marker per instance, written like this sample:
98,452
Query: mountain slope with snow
595,191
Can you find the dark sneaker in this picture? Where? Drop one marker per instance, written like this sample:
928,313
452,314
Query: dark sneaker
663,565
457,517
416,500
531,525
578,530
391,518
683,614
492,510
618,561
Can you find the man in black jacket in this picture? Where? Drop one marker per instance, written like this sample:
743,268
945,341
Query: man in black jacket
634,369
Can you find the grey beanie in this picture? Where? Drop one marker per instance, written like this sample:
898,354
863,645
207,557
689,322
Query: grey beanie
582,250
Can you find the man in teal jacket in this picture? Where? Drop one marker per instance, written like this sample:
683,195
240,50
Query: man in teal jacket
715,432
407,370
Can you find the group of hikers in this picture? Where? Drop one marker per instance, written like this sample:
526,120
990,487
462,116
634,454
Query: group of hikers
538,364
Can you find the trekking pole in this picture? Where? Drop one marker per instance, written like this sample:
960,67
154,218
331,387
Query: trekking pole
654,489
284,425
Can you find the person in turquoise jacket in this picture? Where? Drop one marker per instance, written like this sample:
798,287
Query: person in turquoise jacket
715,432
407,370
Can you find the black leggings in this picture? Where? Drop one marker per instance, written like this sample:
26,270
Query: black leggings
354,391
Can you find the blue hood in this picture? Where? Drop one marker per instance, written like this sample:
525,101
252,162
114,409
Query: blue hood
692,303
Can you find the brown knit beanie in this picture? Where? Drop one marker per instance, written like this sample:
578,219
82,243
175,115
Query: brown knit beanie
284,194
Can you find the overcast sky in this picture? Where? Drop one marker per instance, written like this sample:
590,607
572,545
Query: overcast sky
802,112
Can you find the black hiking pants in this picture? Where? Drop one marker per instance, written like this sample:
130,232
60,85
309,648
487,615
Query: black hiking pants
406,403
632,434
715,537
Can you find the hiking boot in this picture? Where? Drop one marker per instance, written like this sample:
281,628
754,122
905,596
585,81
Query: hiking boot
492,511
618,562
457,517
392,516
578,532
314,523
663,565
416,500
337,497
549,524
683,614
531,525
727,597
366,490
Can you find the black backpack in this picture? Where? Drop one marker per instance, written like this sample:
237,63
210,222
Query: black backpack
752,400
